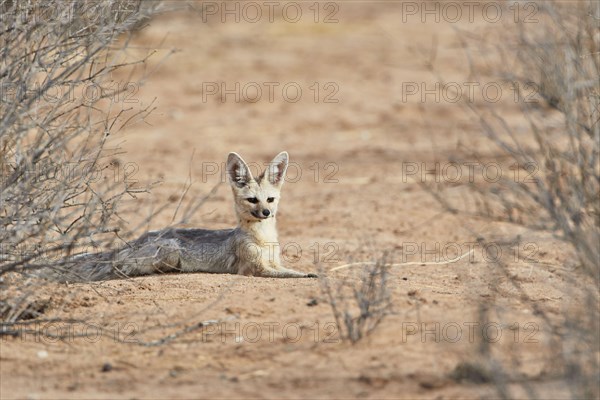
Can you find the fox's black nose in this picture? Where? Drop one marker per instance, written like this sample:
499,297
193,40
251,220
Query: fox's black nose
266,212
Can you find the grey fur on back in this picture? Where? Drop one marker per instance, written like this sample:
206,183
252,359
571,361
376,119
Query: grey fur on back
169,250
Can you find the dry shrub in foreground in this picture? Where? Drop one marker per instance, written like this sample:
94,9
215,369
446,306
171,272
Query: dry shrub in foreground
559,56
360,303
61,184
558,188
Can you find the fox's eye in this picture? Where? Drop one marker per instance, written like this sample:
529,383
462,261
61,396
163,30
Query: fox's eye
270,199
252,200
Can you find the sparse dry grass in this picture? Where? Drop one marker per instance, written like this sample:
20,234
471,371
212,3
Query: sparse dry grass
359,303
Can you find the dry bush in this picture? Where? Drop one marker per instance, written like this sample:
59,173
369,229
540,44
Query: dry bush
559,56
359,304
558,187
62,187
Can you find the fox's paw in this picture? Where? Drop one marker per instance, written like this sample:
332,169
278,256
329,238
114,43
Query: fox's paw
312,276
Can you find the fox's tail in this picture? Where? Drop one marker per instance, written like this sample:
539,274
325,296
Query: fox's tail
83,268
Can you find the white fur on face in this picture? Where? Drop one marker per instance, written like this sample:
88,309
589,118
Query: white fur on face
245,186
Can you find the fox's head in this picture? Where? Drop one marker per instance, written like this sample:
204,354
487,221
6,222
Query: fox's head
256,199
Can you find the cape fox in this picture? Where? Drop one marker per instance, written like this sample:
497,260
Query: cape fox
252,248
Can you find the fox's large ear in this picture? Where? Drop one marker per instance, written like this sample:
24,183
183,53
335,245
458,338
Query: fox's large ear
276,169
237,170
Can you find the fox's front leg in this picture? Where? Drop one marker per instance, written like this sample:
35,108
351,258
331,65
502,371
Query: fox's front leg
282,272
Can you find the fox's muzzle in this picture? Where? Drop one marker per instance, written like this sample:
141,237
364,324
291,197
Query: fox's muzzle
264,215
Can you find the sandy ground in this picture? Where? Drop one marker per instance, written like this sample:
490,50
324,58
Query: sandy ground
349,196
